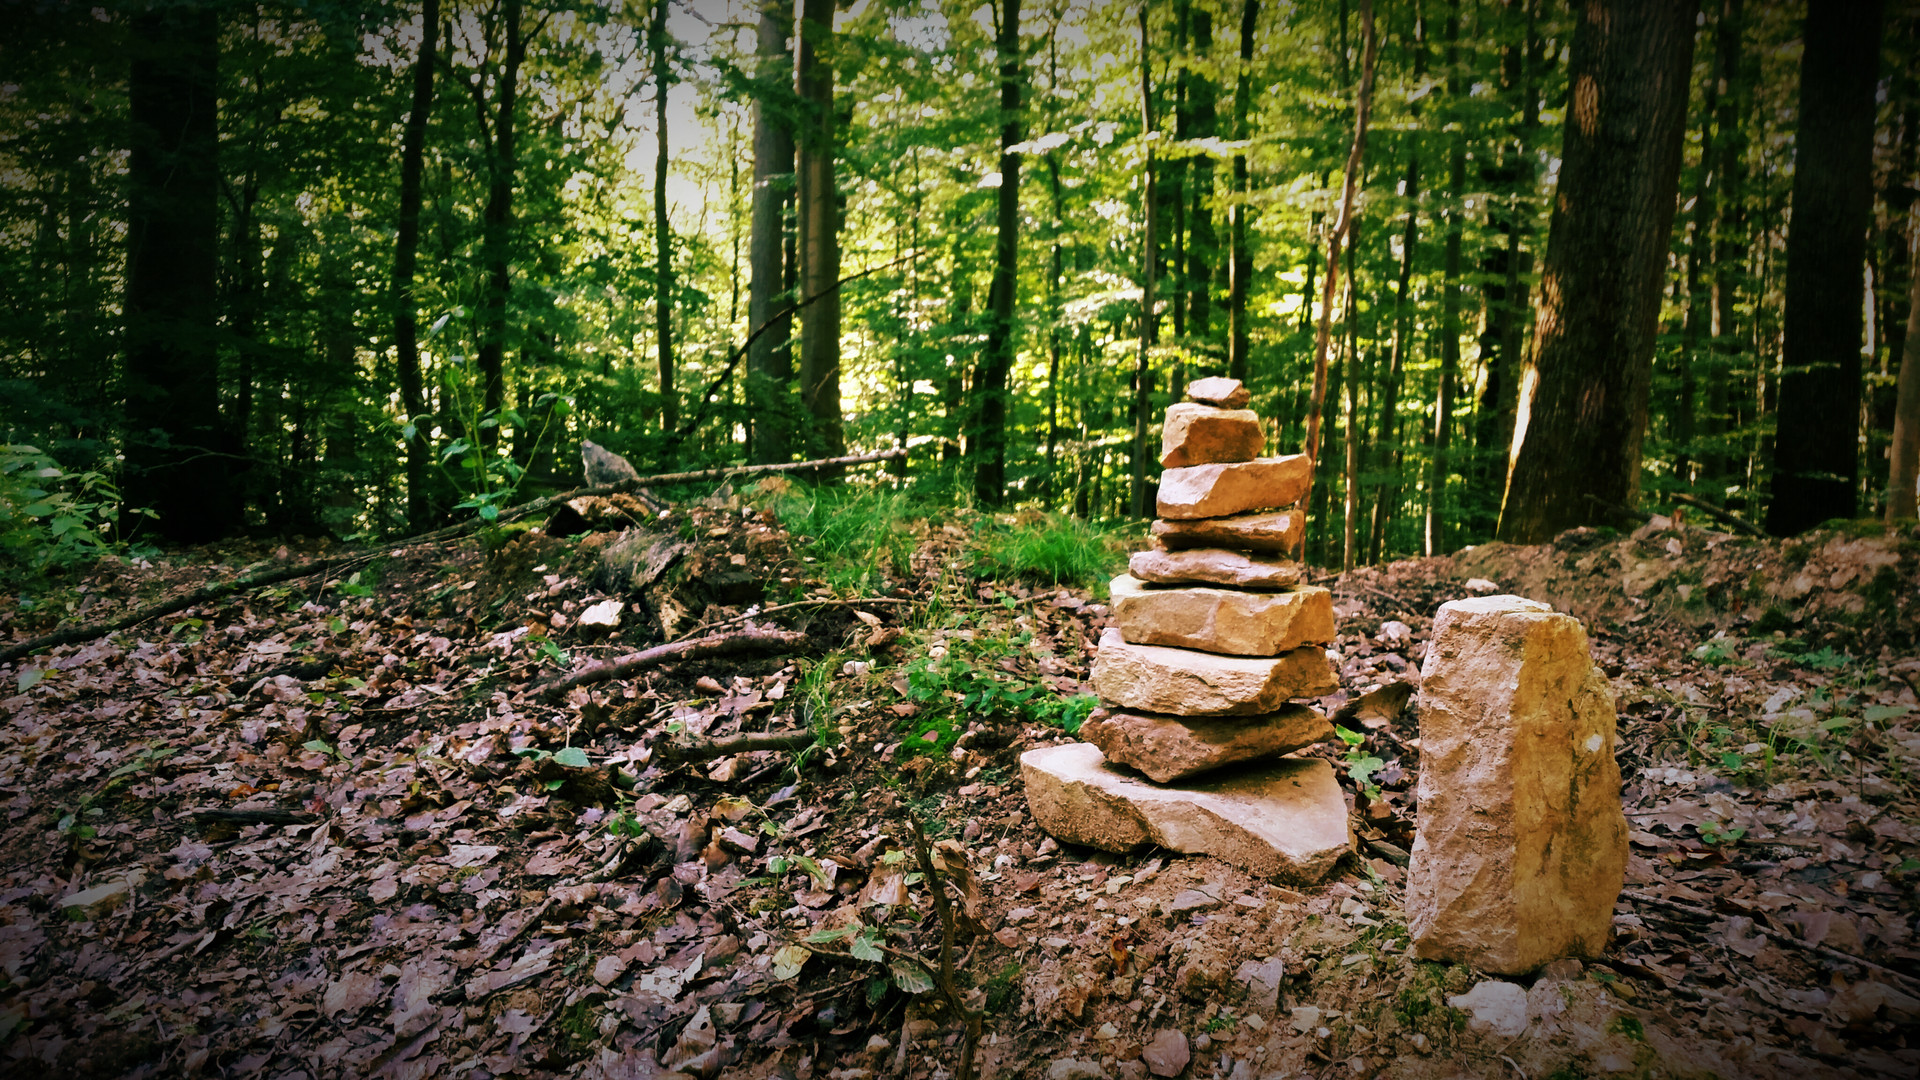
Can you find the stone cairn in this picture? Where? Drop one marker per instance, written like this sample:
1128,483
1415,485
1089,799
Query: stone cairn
1214,638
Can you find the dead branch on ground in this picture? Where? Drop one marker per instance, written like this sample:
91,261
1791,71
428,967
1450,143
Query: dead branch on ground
698,648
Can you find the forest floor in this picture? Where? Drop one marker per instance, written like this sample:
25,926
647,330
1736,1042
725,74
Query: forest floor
334,829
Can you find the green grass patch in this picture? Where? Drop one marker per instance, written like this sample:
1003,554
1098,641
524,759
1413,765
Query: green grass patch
857,534
1050,548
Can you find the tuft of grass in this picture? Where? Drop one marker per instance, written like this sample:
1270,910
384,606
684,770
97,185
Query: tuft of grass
858,534
1050,548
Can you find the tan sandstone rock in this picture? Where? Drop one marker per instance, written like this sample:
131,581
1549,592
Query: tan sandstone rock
1215,566
1219,391
1210,491
1521,844
1252,532
1201,434
1228,621
1169,748
1184,682
1285,820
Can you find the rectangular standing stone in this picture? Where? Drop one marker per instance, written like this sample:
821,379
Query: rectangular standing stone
1210,491
1169,748
1521,844
1184,682
1201,435
1230,621
1279,531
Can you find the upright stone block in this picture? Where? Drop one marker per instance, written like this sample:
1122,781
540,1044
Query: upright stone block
1210,491
1231,621
1201,434
1521,844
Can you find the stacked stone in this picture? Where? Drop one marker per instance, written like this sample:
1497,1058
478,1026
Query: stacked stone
1214,637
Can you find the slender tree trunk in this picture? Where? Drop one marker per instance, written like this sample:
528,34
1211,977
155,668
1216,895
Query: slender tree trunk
1056,267
1142,371
996,361
1388,495
1363,103
496,233
1240,341
1350,504
1699,301
1816,453
1903,469
1437,505
770,358
406,327
1583,399
1729,239
663,286
819,235
175,439
1202,245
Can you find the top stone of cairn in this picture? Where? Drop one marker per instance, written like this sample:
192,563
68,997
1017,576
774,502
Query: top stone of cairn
1218,391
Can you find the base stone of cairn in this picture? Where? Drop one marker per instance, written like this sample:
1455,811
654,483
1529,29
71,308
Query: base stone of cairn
1521,845
1283,819
1213,637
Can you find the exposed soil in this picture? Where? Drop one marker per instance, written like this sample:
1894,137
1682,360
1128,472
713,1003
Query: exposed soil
332,830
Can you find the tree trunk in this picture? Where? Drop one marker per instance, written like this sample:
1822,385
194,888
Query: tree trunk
1699,302
770,359
1142,372
174,434
1240,342
819,235
996,359
406,326
1730,241
1437,507
1202,244
662,228
1363,101
1903,469
1056,267
1388,495
1583,398
496,233
1816,453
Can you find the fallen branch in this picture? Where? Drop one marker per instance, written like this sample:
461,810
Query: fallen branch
697,648
745,615
685,749
948,988
1774,935
1714,512
204,595
254,817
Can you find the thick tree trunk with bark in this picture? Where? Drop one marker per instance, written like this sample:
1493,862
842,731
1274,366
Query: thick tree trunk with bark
770,359
1904,467
1239,342
1583,397
996,359
662,228
1816,453
406,326
175,463
819,234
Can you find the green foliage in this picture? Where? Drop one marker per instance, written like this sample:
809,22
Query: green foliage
50,518
1049,547
858,535
967,682
1361,763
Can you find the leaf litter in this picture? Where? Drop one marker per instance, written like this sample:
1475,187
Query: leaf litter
332,831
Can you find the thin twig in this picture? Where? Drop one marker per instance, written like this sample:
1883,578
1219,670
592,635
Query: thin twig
697,648
944,910
1718,514
744,616
1775,935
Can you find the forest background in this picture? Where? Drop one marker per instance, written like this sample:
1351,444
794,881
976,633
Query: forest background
315,268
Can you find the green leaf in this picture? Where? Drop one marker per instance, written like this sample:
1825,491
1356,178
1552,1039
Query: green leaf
490,512
318,746
39,509
572,757
29,677
1880,714
1351,738
911,977
867,947
821,937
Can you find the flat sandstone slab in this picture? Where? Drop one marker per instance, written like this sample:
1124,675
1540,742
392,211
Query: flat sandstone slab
1201,434
1211,491
1521,846
1220,391
1285,820
1213,566
1184,682
1169,748
1221,620
1279,531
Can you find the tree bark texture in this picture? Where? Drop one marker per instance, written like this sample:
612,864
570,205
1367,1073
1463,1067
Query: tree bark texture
1583,397
496,234
1142,370
770,359
406,247
1434,537
819,233
175,463
1202,244
1239,342
1816,453
1903,470
996,360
